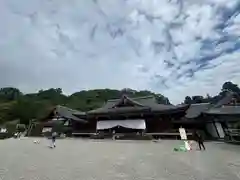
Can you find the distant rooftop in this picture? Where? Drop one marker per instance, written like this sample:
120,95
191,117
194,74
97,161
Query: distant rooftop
68,113
196,110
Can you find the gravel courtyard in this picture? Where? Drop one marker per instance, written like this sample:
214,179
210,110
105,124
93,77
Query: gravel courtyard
76,159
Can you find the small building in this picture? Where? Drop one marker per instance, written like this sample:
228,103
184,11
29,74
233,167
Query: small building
60,118
224,118
226,121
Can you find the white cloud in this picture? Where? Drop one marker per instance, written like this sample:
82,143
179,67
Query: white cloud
177,47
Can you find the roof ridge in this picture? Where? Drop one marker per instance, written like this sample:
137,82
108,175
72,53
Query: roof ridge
199,103
133,98
144,97
225,99
68,108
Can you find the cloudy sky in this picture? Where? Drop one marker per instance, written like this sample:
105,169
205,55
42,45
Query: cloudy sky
173,47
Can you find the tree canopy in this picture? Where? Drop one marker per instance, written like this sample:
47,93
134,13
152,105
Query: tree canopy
14,105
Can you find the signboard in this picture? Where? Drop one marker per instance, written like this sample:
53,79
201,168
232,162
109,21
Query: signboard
183,133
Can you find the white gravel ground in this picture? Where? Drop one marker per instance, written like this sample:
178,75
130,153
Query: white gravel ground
76,159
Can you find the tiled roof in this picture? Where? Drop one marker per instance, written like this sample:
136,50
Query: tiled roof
68,113
225,100
196,110
147,103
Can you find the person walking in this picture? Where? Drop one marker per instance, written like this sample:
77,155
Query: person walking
199,140
54,135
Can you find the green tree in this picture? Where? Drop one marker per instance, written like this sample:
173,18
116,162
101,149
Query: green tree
10,94
188,100
229,86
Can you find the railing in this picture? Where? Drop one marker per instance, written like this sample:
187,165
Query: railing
83,133
233,132
232,135
169,133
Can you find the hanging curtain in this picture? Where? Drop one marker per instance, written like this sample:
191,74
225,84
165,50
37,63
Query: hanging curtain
132,124
3,130
44,130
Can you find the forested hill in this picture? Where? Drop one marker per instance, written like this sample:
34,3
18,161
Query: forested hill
16,105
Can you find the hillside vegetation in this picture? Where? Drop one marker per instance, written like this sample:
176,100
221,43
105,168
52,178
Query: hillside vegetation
24,107
14,105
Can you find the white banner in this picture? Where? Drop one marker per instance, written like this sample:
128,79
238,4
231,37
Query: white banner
3,130
132,124
44,130
183,133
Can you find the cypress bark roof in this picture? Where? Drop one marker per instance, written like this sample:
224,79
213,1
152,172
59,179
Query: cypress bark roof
223,107
139,104
196,110
225,100
67,113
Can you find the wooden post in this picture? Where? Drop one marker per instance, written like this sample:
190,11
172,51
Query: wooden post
30,126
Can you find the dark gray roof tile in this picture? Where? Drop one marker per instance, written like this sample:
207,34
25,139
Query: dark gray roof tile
142,103
196,110
68,113
225,100
119,110
224,110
